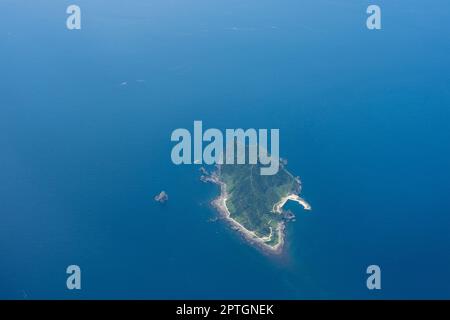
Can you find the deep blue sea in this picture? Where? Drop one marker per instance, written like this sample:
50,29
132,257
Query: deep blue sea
85,123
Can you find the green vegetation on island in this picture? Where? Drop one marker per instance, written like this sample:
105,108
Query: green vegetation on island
251,197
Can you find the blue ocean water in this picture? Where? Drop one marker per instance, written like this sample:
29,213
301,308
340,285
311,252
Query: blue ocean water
86,118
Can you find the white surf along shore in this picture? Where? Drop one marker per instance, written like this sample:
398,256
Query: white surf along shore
220,203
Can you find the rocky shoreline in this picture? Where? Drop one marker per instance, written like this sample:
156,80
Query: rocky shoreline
219,204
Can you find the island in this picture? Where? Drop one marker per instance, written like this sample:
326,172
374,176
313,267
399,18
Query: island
161,197
253,203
